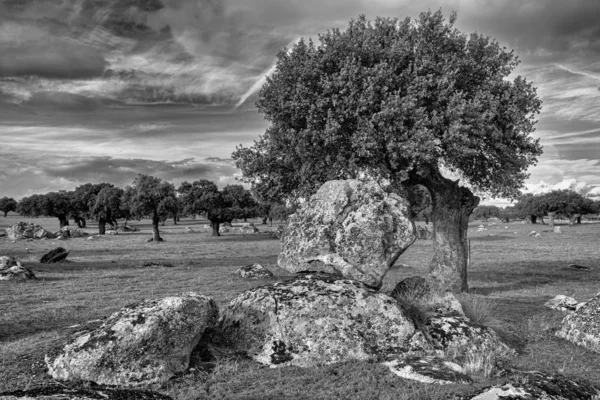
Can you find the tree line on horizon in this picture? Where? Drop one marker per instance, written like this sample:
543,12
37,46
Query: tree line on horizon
531,207
147,197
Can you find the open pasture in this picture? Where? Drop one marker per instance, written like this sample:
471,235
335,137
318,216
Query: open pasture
518,272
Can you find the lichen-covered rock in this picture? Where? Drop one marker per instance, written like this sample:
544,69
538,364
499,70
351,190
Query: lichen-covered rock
428,369
8,261
538,385
92,392
456,338
582,326
427,295
57,255
140,344
27,230
315,319
349,227
562,303
254,271
16,273
69,231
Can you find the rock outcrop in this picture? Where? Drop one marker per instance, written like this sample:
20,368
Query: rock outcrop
582,326
349,227
315,319
254,271
140,344
27,230
562,303
14,272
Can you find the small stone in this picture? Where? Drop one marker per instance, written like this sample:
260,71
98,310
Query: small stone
254,271
428,369
557,229
562,303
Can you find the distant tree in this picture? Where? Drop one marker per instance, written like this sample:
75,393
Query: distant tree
204,197
107,207
169,209
567,203
530,207
53,204
405,100
7,204
83,200
146,198
508,213
485,213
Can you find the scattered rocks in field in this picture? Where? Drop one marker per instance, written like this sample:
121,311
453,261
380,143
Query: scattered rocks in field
582,326
537,385
226,224
80,392
72,232
562,303
254,271
156,264
57,255
532,233
315,319
27,230
223,229
458,339
16,273
112,232
481,226
349,227
247,228
140,344
578,267
428,369
189,229
417,290
557,229
206,227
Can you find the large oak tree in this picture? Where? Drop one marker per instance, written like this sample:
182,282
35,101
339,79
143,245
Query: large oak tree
7,204
407,100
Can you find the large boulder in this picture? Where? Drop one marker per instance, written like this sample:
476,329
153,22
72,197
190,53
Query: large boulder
16,273
582,326
349,227
315,319
27,230
79,392
8,261
59,254
140,344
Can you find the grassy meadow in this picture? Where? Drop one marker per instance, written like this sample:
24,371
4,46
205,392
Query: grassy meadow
517,272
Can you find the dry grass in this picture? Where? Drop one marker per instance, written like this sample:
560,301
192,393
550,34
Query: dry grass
519,273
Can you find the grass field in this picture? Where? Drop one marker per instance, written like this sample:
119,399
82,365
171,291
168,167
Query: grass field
518,272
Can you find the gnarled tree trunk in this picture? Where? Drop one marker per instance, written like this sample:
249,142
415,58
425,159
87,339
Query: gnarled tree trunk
215,227
452,206
551,216
63,221
102,226
155,232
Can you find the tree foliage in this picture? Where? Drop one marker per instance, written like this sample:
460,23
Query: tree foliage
485,213
146,198
52,204
7,204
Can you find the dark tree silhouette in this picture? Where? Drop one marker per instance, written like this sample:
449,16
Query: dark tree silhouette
7,204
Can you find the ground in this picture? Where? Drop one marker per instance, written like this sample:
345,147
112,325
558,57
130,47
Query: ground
519,272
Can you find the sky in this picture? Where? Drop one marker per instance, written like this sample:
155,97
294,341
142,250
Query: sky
99,91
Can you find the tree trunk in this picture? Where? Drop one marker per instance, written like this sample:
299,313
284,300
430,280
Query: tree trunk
175,220
215,228
452,206
551,217
63,221
578,219
533,219
5,214
270,221
102,226
155,233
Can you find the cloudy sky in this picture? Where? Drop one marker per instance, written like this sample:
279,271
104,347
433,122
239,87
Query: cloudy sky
98,91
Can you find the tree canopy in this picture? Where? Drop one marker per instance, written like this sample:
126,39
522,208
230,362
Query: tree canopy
7,204
406,100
